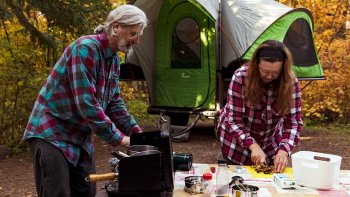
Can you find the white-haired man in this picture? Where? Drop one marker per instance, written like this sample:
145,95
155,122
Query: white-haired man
82,96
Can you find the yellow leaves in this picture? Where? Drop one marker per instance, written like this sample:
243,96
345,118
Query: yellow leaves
323,100
318,115
330,99
333,7
20,83
328,33
134,90
286,2
121,57
344,8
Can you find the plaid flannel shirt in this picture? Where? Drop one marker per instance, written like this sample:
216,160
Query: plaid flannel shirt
240,125
81,96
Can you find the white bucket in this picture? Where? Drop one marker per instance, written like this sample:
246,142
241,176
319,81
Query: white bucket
316,170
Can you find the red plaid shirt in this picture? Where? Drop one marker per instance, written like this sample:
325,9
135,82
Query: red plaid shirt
81,96
240,125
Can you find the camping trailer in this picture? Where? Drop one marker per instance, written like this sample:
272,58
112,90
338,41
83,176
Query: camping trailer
191,48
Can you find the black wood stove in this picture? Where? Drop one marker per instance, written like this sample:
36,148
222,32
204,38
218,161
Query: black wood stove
149,175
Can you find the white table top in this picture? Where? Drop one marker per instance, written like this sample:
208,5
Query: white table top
267,188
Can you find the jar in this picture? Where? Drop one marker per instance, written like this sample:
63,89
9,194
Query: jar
207,182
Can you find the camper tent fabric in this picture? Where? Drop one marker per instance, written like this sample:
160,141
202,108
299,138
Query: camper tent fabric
254,21
240,28
144,54
188,41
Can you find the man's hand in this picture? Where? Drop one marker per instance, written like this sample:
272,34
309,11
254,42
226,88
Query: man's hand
281,161
257,155
125,141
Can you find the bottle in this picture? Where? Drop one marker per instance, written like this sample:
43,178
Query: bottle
222,179
207,179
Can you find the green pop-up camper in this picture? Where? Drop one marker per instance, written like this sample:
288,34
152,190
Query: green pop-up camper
191,48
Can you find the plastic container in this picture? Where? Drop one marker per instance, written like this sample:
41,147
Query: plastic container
207,181
222,179
316,170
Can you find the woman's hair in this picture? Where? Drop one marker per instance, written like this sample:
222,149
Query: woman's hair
125,15
271,51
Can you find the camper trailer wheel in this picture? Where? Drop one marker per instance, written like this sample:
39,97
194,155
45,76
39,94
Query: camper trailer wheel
180,119
182,133
178,135
178,124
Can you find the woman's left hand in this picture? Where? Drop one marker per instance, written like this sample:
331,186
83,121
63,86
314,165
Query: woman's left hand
281,161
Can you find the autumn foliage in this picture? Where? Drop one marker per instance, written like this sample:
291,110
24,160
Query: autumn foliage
329,100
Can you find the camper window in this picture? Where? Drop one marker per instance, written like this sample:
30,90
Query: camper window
185,50
299,41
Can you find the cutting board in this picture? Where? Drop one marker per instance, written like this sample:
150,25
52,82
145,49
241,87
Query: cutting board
254,174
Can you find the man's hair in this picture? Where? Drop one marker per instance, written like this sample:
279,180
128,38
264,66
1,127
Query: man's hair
125,15
269,51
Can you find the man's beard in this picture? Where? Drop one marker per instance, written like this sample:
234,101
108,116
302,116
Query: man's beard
123,46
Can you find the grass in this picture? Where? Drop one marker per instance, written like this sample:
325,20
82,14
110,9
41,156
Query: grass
326,127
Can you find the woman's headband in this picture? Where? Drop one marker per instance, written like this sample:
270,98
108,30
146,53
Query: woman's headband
271,53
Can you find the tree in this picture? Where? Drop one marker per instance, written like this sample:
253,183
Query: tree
329,100
62,17
32,34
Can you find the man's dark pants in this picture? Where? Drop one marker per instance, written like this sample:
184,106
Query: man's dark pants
55,176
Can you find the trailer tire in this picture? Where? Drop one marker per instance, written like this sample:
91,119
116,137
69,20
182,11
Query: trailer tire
179,119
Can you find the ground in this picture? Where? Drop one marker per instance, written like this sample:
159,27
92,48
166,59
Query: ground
16,175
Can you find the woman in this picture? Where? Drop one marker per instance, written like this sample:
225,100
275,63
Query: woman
261,121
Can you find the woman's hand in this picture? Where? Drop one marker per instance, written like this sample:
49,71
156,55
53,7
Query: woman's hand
281,161
257,155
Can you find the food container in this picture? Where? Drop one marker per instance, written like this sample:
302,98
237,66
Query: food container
316,170
194,184
245,190
242,190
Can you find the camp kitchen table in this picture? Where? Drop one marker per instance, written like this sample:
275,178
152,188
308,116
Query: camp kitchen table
263,181
266,186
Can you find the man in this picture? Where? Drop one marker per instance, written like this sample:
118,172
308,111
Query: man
261,121
82,96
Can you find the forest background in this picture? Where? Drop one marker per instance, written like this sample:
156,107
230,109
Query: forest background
34,33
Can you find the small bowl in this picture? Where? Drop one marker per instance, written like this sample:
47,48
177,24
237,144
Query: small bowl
192,180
